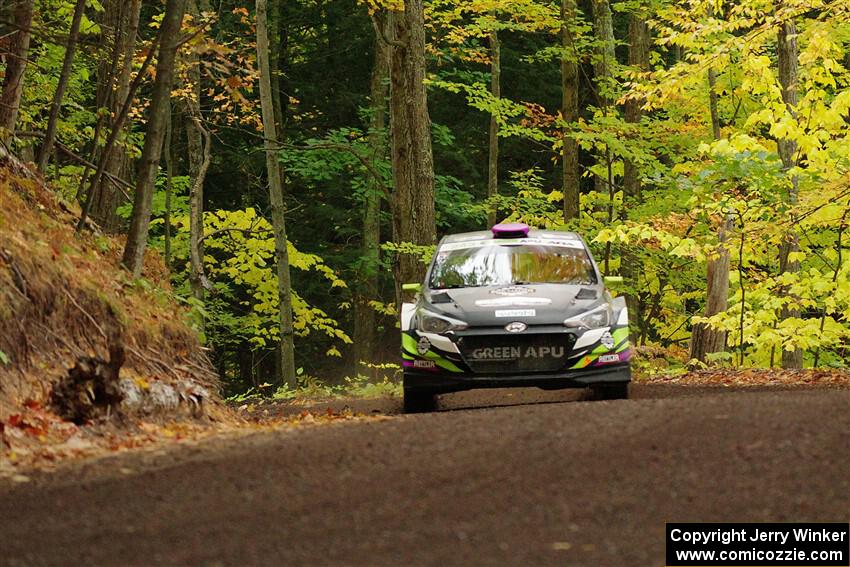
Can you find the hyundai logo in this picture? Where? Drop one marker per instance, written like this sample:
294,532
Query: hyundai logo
516,327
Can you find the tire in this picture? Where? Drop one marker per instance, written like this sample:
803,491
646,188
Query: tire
419,402
611,391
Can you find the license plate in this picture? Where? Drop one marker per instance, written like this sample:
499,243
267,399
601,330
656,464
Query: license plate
516,312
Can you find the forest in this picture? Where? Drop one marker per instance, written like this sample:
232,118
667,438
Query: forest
291,163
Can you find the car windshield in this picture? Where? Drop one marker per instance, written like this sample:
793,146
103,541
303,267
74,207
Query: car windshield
487,263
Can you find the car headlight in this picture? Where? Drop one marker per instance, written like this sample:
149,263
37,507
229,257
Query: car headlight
593,319
430,322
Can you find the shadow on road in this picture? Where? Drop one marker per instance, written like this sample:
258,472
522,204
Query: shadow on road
475,400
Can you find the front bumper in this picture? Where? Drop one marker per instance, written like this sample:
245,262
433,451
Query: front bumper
441,364
443,383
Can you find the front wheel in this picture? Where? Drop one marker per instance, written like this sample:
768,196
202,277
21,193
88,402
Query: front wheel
612,391
419,402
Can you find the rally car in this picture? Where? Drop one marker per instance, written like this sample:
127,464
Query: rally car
513,306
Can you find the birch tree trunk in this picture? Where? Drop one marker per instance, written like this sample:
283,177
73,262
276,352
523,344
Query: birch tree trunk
286,361
16,64
569,112
787,60
64,76
496,91
364,314
412,158
137,236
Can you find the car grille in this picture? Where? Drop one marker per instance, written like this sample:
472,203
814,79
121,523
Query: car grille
504,354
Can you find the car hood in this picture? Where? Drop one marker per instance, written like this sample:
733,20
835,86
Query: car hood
538,304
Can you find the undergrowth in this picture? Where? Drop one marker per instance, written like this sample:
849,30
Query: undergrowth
312,388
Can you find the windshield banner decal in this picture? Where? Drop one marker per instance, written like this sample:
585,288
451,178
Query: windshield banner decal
558,242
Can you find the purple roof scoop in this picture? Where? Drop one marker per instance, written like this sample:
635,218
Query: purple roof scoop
510,230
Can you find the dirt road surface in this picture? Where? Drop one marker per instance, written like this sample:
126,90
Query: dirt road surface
498,478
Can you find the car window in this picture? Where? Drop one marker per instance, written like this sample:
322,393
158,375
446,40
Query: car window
504,264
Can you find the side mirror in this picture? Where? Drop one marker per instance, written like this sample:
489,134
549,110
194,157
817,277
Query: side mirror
414,287
613,279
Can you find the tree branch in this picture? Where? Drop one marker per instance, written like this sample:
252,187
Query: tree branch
381,32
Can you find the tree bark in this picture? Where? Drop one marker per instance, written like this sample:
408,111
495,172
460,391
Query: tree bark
198,141
277,47
111,39
106,199
16,64
286,351
197,276
705,339
787,60
412,158
712,103
117,125
137,237
168,157
638,59
603,65
569,112
496,91
64,76
364,315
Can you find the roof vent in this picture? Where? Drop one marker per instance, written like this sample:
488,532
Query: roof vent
510,230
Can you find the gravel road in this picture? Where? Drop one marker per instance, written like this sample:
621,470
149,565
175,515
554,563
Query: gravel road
496,480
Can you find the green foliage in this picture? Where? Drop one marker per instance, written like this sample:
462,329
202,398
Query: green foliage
660,240
313,388
423,253
240,252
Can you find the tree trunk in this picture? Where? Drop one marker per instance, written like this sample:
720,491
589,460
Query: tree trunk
496,91
712,103
277,39
16,63
286,351
168,157
704,339
638,59
364,315
114,133
197,277
137,237
569,112
198,142
787,59
106,198
111,40
64,76
603,66
412,158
